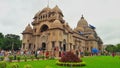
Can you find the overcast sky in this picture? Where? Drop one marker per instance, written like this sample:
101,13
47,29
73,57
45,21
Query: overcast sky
103,14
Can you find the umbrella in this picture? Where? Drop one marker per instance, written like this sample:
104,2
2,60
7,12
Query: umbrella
95,50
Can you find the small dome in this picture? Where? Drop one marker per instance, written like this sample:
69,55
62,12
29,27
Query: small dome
28,29
91,36
56,9
57,24
82,22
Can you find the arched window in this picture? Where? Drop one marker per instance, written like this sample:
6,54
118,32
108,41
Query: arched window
46,15
35,30
44,28
23,45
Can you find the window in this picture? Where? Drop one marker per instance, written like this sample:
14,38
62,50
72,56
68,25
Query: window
27,40
29,46
23,45
53,44
35,30
60,45
46,15
44,28
74,47
34,46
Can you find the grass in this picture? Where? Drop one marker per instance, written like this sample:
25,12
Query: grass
102,62
91,62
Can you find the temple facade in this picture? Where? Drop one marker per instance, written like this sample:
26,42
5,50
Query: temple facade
50,32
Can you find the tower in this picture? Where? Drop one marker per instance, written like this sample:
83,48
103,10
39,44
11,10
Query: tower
27,38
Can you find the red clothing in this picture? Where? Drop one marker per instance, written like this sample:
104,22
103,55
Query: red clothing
47,53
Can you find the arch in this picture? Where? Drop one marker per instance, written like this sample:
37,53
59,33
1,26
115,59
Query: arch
44,28
29,46
43,46
64,45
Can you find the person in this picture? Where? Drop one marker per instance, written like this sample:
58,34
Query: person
81,54
77,53
47,54
35,54
113,54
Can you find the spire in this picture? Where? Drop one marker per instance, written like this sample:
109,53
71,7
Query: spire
48,4
82,17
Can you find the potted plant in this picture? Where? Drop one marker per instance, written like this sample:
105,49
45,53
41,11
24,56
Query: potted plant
18,58
25,58
2,58
43,57
32,57
38,57
10,58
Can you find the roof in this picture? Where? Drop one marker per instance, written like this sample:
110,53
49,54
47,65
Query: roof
28,29
82,22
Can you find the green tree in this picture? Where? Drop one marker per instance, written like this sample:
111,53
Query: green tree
111,48
118,47
1,40
11,41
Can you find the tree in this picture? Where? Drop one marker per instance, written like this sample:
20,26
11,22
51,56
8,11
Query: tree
1,39
111,48
1,35
11,41
118,47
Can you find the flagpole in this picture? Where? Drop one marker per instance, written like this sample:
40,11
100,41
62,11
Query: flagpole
48,3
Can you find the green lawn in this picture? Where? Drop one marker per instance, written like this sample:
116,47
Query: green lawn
91,62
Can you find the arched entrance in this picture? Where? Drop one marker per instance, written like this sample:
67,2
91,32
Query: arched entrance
64,45
43,46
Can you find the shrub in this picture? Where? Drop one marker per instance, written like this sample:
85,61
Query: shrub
25,58
87,53
43,57
27,66
1,58
3,64
51,58
70,57
32,57
10,58
38,57
18,58
14,65
70,63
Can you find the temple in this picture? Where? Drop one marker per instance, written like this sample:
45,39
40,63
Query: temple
50,32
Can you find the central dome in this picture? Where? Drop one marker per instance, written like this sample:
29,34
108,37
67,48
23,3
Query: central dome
82,22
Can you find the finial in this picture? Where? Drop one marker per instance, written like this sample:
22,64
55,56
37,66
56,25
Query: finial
48,4
28,24
82,17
